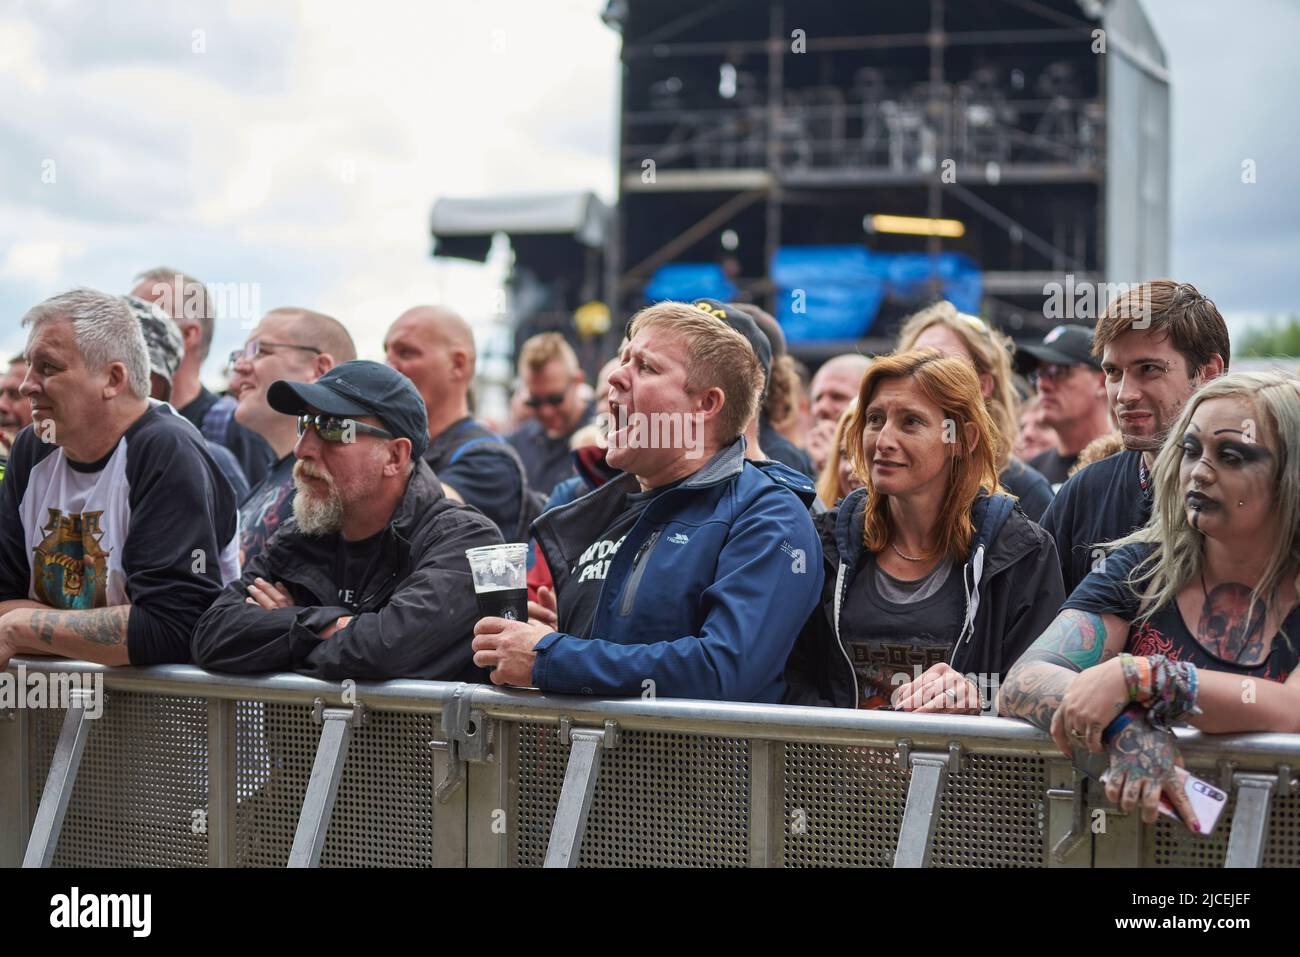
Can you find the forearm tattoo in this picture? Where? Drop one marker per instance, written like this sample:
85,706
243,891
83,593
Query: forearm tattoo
102,626
1033,691
1075,639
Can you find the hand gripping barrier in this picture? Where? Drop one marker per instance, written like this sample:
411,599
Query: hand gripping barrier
176,766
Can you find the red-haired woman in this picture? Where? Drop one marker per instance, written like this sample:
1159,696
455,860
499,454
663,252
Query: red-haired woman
935,580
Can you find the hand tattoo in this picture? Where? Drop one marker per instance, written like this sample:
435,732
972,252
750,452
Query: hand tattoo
1140,752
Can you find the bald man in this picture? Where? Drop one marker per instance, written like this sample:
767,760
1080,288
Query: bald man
434,348
296,345
833,387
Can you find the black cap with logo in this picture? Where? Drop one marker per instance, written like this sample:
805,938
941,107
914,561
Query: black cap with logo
360,388
1065,345
743,323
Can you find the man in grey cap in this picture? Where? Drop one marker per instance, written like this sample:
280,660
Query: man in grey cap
166,348
369,579
1071,394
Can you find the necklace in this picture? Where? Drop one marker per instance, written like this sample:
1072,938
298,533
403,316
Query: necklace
906,557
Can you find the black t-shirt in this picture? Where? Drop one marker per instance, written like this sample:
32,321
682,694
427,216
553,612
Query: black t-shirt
589,572
891,643
1101,503
1027,485
255,457
265,508
352,562
483,468
1105,591
1054,466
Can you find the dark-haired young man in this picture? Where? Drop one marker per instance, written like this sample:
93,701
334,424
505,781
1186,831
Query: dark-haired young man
1158,343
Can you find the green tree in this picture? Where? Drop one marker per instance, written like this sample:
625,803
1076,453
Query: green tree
1279,337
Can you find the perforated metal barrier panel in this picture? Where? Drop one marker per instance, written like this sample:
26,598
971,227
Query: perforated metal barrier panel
661,800
141,797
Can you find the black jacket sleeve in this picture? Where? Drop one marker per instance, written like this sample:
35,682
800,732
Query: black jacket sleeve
233,635
1035,584
182,518
806,680
426,627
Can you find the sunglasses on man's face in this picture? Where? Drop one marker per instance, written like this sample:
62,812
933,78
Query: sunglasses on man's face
334,428
537,401
1051,371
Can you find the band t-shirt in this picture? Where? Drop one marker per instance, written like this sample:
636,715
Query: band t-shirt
1105,591
895,630
588,575
264,509
352,564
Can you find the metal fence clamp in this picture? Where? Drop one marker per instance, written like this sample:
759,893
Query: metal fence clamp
1250,820
586,746
929,776
466,739
323,786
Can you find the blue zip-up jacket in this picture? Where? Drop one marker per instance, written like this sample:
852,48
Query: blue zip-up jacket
705,596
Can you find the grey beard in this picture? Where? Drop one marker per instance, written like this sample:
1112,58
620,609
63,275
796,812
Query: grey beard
317,516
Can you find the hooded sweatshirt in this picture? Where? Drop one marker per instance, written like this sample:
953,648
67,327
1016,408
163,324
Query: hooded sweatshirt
1011,580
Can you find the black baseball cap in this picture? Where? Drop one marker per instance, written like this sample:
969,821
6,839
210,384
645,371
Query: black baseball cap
358,388
1065,345
743,323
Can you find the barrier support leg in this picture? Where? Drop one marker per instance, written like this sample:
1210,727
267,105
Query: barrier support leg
586,745
59,783
929,775
1250,821
323,787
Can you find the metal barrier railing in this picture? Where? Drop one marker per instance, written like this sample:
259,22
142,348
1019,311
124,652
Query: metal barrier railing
187,768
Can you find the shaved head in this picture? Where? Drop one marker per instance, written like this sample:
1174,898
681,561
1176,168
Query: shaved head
836,385
319,330
434,348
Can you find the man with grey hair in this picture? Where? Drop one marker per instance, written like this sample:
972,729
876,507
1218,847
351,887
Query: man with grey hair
116,527
186,300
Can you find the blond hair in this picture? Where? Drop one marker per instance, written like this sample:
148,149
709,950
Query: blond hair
716,355
828,483
544,348
991,353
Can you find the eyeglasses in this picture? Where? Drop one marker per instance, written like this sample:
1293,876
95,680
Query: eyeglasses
334,428
255,349
537,401
1051,371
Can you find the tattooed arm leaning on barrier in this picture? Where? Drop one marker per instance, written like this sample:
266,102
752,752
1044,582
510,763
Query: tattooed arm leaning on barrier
95,634
1052,687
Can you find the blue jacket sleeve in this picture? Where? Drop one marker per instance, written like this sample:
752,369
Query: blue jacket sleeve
768,580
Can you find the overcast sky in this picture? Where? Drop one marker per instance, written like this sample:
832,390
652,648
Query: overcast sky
297,147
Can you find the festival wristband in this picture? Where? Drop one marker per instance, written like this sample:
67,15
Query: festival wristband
1122,721
1174,685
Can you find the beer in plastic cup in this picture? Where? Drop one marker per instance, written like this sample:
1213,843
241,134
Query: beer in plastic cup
500,580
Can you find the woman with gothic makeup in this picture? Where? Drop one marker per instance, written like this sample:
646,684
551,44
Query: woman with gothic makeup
1192,618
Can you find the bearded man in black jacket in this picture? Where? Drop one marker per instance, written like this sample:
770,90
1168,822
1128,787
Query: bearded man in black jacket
369,579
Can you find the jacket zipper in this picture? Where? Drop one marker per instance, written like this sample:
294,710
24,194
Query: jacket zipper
841,585
638,569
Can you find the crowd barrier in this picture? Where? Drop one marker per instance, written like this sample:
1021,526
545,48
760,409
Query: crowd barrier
176,766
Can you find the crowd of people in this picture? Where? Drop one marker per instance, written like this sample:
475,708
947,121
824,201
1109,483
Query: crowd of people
1098,533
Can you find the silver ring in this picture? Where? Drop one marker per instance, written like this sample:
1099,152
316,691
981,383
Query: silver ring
952,694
